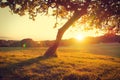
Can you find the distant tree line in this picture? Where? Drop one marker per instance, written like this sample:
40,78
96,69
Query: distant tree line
23,43
107,38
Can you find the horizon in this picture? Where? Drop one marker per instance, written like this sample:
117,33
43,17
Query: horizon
76,38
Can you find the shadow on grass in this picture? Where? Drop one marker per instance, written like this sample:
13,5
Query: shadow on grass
10,70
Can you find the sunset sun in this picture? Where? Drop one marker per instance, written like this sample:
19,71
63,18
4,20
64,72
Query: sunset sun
79,37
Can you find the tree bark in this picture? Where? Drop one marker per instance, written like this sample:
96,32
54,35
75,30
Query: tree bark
51,52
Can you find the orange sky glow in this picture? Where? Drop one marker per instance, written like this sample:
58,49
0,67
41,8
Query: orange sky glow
16,27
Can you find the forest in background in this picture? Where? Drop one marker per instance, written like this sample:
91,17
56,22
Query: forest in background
28,42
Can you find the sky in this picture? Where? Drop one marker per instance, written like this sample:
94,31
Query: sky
15,27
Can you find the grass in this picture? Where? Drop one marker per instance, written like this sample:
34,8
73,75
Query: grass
73,63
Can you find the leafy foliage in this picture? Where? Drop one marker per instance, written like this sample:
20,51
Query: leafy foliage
104,14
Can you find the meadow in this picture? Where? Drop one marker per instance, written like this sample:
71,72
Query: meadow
78,62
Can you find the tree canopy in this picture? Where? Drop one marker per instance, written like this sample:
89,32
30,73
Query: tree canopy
103,13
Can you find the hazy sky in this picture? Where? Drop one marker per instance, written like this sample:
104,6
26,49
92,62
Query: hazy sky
16,27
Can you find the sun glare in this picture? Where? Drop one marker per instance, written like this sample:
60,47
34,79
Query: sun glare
79,37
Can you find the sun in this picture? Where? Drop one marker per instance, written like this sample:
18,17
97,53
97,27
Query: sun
79,37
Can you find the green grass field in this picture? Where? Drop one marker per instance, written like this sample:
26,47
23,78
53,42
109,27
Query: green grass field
85,62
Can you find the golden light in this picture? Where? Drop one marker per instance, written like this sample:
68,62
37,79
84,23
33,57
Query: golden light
80,37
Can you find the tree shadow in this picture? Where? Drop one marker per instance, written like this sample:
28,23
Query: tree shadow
11,69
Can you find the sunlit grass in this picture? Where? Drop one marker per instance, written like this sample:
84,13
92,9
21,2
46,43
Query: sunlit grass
71,64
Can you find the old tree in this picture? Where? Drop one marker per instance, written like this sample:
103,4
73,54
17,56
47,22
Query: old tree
100,14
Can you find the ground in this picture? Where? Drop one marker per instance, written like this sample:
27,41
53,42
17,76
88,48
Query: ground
85,62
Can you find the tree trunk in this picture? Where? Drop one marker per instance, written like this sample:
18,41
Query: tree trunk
51,52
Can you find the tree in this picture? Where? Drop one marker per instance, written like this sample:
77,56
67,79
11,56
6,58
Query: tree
28,43
102,14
